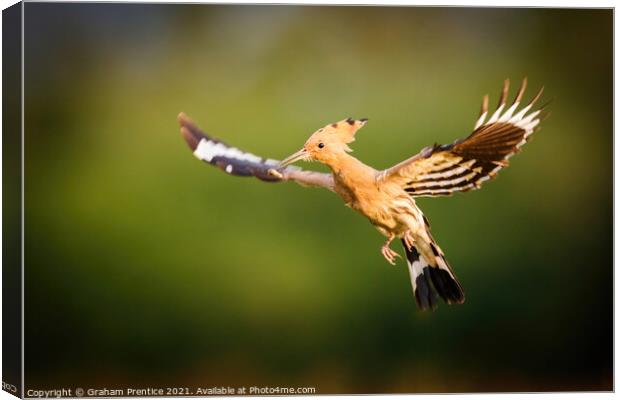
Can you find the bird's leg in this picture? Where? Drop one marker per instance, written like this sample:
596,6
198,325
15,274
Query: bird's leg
409,240
388,253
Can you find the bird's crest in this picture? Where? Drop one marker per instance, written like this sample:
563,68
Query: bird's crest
336,136
344,130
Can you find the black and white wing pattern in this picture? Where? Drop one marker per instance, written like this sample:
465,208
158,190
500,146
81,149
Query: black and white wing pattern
240,163
441,170
229,159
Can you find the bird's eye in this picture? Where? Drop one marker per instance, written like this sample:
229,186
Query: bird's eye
321,145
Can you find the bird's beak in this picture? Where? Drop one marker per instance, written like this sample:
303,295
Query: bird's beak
300,155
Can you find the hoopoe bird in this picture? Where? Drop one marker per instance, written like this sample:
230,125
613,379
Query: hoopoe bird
387,197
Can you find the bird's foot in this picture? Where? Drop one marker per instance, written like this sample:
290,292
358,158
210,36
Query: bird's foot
274,172
389,254
409,240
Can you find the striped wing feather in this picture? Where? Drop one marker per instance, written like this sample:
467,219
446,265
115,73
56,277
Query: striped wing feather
442,170
229,159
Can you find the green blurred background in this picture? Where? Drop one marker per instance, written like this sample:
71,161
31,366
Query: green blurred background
145,266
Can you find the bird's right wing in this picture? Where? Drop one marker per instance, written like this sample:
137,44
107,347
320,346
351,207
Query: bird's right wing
442,170
240,163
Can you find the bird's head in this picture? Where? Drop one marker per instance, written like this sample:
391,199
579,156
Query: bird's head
328,142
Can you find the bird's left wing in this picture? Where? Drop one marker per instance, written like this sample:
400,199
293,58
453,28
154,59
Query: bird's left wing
441,170
240,163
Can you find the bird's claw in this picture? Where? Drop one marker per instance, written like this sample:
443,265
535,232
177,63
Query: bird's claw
274,172
409,240
389,254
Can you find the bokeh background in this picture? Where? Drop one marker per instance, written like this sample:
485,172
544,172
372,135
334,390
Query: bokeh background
146,267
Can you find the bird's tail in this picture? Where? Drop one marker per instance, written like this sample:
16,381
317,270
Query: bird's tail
428,279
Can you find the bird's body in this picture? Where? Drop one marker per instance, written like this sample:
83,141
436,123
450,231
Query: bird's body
355,182
387,205
387,197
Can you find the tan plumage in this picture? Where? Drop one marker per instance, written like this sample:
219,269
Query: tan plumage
386,197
